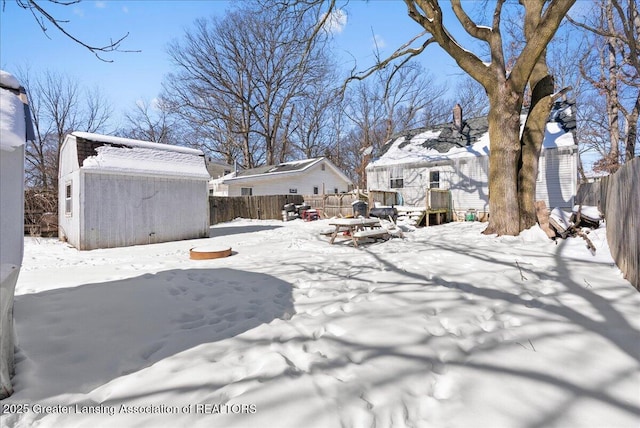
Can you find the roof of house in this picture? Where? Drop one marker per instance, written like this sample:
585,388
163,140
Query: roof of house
125,155
294,167
215,165
446,141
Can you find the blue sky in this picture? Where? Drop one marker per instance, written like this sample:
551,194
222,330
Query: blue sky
152,24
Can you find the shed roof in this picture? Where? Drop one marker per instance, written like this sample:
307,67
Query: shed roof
445,141
124,155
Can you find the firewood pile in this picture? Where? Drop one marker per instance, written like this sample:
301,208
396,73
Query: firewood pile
560,224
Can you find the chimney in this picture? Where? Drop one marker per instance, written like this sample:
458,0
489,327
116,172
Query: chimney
457,117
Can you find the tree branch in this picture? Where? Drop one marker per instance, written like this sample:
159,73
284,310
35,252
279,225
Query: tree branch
403,51
482,33
41,15
432,21
545,31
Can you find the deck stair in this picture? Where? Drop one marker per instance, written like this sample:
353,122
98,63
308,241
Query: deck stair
411,215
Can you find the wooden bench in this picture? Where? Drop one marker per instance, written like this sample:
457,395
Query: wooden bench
330,232
370,233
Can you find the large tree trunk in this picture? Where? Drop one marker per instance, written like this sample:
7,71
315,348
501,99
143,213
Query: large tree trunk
612,93
541,85
504,132
532,139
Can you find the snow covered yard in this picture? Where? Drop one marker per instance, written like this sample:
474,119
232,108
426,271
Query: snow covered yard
445,328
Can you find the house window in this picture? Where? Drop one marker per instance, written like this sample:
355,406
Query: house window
397,183
322,167
335,191
246,191
293,190
396,180
67,200
315,190
434,180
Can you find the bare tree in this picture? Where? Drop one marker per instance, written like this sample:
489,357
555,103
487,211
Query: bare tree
612,67
513,163
242,79
149,121
511,169
59,106
365,111
314,130
394,99
471,97
42,13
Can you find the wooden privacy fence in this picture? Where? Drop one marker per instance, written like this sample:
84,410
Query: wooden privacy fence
227,208
383,197
618,198
335,205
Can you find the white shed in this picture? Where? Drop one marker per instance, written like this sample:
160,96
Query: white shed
15,127
116,192
315,176
448,157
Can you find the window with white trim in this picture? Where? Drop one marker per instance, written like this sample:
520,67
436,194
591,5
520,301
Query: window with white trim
434,179
246,191
396,178
67,199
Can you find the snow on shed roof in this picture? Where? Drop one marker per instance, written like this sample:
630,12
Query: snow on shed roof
441,142
125,155
12,113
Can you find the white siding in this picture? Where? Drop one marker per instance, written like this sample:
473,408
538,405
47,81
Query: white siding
303,182
470,185
468,180
557,177
69,225
12,205
122,210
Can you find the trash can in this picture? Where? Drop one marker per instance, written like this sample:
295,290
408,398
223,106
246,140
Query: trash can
359,209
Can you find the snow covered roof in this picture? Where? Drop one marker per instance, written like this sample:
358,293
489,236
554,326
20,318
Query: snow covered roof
292,167
445,141
13,128
125,155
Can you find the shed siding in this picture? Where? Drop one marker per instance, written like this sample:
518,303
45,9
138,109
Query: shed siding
69,225
123,210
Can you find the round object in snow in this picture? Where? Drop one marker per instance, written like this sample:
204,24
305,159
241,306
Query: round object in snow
209,252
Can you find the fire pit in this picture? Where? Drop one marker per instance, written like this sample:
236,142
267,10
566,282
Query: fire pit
209,252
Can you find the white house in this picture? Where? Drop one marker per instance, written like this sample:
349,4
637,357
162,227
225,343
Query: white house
457,158
116,192
305,177
15,129
217,168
